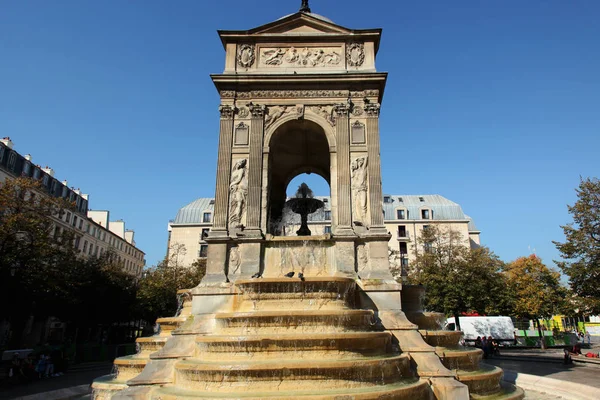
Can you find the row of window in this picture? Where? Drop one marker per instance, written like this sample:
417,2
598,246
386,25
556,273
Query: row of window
426,213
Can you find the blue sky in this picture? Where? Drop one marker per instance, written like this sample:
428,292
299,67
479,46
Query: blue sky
492,104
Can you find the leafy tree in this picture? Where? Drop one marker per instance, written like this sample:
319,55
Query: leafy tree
537,289
457,278
157,293
580,252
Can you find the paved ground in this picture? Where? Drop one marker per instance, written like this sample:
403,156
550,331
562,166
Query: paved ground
82,374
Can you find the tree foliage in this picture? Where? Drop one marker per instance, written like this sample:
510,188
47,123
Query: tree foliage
457,278
157,293
580,252
536,288
42,273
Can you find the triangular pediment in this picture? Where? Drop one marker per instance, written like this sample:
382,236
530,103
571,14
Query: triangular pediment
300,23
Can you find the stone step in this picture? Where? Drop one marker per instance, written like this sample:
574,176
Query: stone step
507,391
408,389
441,338
315,346
273,375
261,288
293,320
169,324
129,367
149,345
484,381
463,358
105,387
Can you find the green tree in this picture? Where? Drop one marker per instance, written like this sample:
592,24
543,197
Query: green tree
580,252
31,247
157,292
537,289
457,278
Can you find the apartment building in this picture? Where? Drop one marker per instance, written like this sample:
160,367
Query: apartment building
405,217
95,234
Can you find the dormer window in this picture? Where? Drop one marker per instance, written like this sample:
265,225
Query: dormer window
426,214
402,214
387,199
206,217
422,199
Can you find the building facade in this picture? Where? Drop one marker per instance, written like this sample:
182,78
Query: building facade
94,233
405,218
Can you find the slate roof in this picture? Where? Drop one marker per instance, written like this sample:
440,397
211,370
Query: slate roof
442,208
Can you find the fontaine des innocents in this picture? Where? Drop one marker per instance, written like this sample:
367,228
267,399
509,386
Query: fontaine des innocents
300,94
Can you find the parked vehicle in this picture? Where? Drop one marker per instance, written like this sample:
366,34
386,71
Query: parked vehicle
499,328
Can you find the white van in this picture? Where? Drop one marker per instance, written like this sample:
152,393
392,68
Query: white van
499,328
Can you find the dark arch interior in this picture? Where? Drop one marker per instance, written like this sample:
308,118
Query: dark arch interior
296,147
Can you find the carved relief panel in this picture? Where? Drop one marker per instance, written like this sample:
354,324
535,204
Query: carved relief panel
240,137
303,57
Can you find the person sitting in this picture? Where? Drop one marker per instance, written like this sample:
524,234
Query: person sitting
478,343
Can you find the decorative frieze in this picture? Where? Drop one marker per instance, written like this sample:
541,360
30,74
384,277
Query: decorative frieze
357,111
355,54
306,57
289,94
227,94
246,56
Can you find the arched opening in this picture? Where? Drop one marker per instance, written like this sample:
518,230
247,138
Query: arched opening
297,147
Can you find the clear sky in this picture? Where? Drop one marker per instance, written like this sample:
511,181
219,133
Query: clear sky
492,104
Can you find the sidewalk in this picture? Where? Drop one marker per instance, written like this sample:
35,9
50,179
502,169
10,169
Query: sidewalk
76,382
552,355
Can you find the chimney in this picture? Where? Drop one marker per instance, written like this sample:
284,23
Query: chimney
65,183
85,196
48,170
28,157
7,142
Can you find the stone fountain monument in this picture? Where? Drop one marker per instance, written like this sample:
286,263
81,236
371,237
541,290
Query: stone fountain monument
300,95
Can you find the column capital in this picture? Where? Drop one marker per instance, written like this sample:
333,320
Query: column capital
372,109
342,110
257,110
226,111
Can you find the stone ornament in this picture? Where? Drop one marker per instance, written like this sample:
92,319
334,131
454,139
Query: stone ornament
243,112
302,58
246,55
359,189
300,110
257,110
226,111
227,94
238,192
341,110
355,54
357,111
234,260
274,113
286,94
324,112
372,109
362,257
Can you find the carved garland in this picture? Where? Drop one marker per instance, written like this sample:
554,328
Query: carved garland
246,56
355,54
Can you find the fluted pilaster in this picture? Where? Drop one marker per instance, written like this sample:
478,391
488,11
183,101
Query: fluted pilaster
344,207
373,149
223,168
255,167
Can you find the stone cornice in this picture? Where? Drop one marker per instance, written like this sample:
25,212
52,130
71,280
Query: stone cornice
344,82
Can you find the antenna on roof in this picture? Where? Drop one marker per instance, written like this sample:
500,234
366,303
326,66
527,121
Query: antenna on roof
304,7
